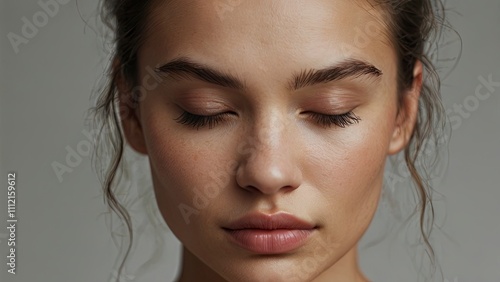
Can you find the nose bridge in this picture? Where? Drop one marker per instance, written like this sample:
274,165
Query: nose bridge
270,131
270,164
269,137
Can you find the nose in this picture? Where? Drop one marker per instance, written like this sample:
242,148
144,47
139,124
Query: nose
270,159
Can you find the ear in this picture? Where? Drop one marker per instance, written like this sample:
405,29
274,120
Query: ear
129,111
407,113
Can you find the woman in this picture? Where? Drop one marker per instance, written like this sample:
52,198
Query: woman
267,125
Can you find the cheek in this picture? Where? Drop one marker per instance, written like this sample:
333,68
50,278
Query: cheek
353,172
171,165
188,174
352,167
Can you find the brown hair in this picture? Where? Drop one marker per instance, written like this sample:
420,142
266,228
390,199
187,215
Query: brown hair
411,25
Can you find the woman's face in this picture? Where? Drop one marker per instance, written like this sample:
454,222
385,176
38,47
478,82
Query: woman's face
302,107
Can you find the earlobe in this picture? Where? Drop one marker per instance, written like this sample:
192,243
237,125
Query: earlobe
129,112
408,113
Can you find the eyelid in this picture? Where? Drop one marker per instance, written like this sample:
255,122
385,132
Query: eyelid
199,121
328,110
340,120
325,100
208,108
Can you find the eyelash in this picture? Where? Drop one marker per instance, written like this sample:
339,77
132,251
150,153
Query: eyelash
342,120
199,121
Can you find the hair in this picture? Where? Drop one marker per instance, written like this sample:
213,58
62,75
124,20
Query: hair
413,26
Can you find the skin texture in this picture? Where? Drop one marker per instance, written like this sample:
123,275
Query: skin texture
269,154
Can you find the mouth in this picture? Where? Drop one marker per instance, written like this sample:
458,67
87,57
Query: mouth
269,234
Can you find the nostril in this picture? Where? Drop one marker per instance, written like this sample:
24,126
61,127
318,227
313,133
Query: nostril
251,189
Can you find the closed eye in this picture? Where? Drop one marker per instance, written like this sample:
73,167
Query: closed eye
324,120
199,121
342,120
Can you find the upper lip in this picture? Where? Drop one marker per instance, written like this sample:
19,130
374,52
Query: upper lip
269,222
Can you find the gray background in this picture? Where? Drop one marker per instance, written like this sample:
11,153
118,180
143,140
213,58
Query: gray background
62,235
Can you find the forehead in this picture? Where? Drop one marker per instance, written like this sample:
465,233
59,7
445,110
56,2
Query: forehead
269,35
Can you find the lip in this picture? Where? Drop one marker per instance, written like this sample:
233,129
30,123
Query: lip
269,234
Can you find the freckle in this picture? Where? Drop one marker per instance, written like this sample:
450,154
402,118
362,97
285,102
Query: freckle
196,156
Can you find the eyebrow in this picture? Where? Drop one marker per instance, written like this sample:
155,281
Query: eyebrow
351,68
186,68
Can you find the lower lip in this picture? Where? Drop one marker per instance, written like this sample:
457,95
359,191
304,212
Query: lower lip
263,241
